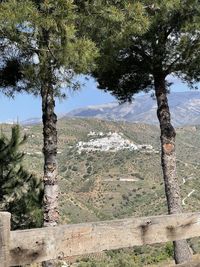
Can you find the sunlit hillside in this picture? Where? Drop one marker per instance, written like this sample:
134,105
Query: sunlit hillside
112,170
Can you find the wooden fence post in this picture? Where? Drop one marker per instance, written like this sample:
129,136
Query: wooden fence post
4,239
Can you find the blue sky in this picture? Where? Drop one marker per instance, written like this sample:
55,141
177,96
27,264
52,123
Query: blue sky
25,106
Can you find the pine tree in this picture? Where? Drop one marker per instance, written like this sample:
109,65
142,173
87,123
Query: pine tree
12,58
20,191
134,62
49,37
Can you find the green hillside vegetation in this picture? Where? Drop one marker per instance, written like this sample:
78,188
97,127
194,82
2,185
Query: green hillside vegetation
94,187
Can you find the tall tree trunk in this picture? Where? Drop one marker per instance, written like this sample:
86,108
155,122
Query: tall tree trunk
50,163
168,160
50,200
49,119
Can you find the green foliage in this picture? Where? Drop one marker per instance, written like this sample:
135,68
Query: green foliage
169,250
12,57
129,258
45,33
169,45
117,19
6,73
20,192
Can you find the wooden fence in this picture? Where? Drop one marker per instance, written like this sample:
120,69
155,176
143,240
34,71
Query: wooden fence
37,245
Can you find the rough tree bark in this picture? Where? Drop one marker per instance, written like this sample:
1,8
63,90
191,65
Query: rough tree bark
50,163
50,200
49,118
168,160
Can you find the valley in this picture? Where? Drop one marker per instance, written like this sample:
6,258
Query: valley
116,173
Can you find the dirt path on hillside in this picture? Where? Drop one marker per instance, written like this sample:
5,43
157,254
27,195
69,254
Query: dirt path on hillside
189,195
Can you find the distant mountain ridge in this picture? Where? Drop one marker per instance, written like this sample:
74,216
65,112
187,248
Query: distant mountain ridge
185,110
31,121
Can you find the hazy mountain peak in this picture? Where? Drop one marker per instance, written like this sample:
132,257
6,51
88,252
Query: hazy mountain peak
185,109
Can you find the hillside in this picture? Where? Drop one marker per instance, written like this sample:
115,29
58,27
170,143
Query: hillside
104,182
143,109
112,170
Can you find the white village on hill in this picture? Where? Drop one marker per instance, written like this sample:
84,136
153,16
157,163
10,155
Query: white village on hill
111,142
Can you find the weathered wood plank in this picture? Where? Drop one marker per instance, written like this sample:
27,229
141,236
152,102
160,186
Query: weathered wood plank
4,239
37,245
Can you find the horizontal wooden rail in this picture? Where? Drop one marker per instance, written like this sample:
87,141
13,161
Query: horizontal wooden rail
37,245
